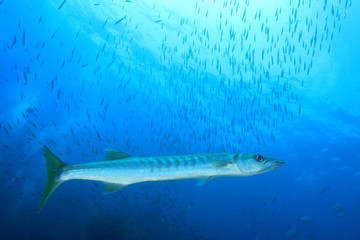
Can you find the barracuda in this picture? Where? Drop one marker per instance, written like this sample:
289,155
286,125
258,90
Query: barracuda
120,169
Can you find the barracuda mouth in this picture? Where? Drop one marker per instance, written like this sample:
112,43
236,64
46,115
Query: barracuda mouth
271,164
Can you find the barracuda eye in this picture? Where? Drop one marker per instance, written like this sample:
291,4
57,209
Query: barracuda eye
259,158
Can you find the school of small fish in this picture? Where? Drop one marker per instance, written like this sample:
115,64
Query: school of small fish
180,77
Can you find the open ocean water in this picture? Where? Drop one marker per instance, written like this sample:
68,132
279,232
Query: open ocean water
278,78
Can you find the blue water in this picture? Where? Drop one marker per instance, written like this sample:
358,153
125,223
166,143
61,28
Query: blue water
279,78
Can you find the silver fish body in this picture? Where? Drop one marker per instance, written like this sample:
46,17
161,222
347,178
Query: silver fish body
142,169
119,169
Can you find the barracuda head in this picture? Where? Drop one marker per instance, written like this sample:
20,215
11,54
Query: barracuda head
251,164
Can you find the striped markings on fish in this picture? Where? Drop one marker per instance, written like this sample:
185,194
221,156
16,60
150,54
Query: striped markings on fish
120,169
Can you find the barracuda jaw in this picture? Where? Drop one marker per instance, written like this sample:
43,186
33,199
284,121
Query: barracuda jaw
271,164
252,164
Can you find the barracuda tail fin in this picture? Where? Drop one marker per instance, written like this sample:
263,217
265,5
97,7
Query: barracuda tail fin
54,167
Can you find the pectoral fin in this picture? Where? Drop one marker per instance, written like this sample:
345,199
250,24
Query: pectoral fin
203,180
221,164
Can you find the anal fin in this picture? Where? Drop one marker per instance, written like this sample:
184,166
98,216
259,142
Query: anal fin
112,187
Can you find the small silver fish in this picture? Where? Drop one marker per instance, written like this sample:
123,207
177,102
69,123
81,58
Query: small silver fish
305,219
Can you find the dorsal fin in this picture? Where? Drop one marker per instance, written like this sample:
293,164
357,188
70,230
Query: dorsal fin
111,154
